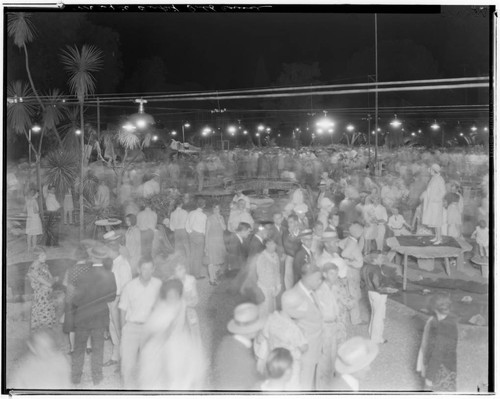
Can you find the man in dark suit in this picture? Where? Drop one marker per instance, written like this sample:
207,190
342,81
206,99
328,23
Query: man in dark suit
236,246
304,255
353,363
291,244
256,244
235,362
93,291
276,233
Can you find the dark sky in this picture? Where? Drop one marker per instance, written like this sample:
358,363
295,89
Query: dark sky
222,50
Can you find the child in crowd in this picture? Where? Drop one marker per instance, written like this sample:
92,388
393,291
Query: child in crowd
453,215
481,235
397,224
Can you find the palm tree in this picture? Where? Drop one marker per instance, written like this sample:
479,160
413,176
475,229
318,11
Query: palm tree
80,65
20,113
21,29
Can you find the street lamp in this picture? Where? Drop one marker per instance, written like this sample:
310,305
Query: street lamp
184,125
473,128
396,122
141,119
155,138
350,128
206,131
260,128
174,133
245,132
435,126
232,130
34,129
78,132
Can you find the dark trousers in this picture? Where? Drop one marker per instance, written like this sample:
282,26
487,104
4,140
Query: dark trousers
97,340
52,229
197,248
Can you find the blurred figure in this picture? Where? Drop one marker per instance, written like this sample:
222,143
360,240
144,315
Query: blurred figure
437,357
146,222
133,243
398,224
102,196
432,202
304,255
353,363
33,221
171,357
236,247
291,245
482,237
215,249
43,311
93,291
304,309
196,225
52,228
43,367
268,276
178,225
136,303
235,364
278,370
68,207
190,297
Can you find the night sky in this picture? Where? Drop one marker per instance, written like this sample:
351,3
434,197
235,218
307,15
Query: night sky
222,50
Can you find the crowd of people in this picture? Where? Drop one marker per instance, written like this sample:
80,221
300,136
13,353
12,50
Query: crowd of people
299,274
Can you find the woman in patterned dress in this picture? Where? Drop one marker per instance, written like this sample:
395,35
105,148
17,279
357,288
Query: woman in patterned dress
70,279
43,311
33,221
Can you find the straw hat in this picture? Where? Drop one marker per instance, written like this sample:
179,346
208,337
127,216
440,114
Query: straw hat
246,319
300,209
355,355
99,252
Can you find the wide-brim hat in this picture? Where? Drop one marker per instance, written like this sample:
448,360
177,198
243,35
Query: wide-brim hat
302,208
246,319
355,355
356,230
111,236
99,252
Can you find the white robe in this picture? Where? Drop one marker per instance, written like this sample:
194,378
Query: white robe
432,210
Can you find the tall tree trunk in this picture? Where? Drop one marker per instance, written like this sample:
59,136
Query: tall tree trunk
30,78
82,143
39,185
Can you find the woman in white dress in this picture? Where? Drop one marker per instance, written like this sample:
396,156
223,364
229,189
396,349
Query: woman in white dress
33,221
268,277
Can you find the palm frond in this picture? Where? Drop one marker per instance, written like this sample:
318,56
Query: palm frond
128,139
62,170
20,28
21,112
80,65
53,113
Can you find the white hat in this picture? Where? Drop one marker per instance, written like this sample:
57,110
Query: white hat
111,236
301,208
246,319
355,355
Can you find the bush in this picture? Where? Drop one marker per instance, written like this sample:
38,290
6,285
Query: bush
163,203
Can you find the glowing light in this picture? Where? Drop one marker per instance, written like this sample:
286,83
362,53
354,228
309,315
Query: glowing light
325,123
461,134
187,125
155,138
419,130
378,129
330,131
257,134
279,135
206,131
396,122
128,126
413,134
485,129
473,128
78,131
297,129
245,132
350,128
319,131
435,126
36,128
141,123
260,128
232,130
174,133
268,129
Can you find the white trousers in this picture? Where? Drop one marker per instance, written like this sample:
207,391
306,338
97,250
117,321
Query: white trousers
114,328
132,336
288,278
376,327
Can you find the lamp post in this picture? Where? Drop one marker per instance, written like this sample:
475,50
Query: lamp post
325,124
183,126
34,129
435,126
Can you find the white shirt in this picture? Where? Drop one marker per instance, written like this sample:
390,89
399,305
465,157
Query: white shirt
123,273
336,259
51,202
178,219
196,222
138,300
351,381
147,219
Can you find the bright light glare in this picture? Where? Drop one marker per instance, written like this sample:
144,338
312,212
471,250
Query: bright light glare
330,131
396,123
268,129
461,134
36,128
174,133
260,128
141,123
473,128
231,129
155,138
325,123
245,132
350,128
78,131
319,131
434,126
413,134
128,126
419,130
187,125
206,131
257,134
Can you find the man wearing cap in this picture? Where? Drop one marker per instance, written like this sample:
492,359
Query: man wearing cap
137,300
304,255
152,186
93,291
53,207
303,307
123,274
353,363
351,253
196,224
235,362
432,203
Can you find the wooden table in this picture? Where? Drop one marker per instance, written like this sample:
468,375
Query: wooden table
426,250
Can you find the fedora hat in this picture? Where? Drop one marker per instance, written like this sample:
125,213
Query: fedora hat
99,252
329,236
111,236
356,230
246,319
355,355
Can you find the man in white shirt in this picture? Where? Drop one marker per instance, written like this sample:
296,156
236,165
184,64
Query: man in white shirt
178,220
239,215
330,253
123,274
196,226
375,216
137,300
53,207
146,222
152,186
